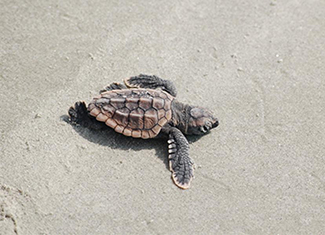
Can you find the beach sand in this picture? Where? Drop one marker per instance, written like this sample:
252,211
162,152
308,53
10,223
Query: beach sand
258,65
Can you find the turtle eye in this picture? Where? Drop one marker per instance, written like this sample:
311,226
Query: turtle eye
204,129
208,124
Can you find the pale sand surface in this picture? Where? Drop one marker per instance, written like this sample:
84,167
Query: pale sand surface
259,65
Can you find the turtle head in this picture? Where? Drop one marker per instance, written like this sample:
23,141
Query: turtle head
200,121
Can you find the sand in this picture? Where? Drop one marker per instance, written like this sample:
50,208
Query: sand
259,65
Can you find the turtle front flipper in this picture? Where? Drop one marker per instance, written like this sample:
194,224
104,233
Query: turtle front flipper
180,164
113,86
152,82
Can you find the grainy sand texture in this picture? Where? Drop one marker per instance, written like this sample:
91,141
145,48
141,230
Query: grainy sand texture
259,65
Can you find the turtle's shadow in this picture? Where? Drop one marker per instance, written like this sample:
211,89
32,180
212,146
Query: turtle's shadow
108,137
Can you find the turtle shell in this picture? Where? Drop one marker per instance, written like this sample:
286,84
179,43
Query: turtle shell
140,113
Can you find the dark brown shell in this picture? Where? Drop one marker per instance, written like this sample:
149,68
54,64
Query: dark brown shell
139,113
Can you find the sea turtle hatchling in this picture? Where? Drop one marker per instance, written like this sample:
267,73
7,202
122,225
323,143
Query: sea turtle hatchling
143,108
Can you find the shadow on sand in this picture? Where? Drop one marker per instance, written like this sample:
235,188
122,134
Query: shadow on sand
108,137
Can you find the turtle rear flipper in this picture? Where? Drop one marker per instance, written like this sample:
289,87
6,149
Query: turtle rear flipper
80,116
152,82
180,163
